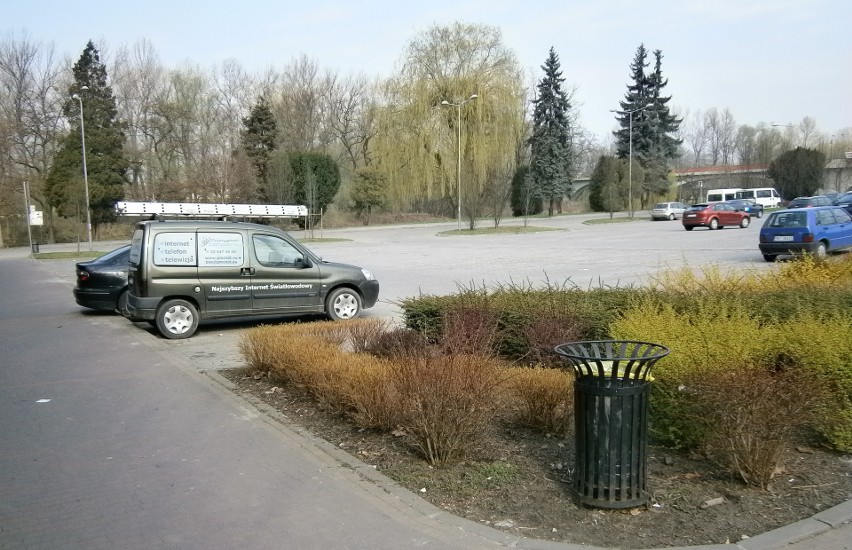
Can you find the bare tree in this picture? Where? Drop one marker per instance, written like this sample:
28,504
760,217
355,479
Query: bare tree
30,119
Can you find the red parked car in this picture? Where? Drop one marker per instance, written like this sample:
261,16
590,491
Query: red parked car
714,215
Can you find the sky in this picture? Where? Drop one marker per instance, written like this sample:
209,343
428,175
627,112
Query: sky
771,61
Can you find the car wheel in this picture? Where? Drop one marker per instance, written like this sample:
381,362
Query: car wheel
121,304
744,222
760,213
769,258
821,250
343,304
671,217
177,319
714,224
688,227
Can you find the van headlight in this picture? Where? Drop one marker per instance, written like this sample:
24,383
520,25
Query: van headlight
368,274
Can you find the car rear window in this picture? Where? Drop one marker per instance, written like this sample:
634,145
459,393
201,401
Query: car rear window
788,219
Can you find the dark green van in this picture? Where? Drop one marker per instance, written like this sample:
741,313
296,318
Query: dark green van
184,272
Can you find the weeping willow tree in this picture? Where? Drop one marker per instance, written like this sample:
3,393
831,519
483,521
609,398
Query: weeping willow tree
417,142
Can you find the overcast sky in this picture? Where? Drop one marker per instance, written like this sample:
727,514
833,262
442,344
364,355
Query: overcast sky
766,60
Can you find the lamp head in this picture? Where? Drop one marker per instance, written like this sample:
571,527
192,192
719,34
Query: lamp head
445,102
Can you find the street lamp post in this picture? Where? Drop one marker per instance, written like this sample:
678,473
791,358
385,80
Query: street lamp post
458,106
85,172
630,154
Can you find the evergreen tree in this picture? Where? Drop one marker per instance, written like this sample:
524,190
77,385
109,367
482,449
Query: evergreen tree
106,166
797,173
653,125
522,200
316,180
259,137
551,154
369,191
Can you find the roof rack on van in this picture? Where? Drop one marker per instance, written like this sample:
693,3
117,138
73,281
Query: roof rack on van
191,209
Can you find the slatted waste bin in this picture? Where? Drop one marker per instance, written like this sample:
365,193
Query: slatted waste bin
612,383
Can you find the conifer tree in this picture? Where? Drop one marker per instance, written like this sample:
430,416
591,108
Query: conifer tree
106,166
259,137
551,155
653,125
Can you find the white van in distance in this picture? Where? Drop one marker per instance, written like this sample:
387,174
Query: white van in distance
767,197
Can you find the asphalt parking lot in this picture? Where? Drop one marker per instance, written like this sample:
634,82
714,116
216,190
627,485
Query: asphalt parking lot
410,260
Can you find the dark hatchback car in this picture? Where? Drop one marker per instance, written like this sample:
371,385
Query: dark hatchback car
749,206
102,282
817,230
845,202
809,202
714,215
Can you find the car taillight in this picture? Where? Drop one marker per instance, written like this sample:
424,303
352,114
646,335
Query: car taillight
84,276
808,238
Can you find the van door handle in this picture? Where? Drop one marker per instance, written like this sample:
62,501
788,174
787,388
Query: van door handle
247,271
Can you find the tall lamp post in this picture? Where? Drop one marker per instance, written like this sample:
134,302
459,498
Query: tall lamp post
85,172
630,153
458,106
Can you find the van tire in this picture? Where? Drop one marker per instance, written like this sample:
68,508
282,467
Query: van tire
343,304
177,319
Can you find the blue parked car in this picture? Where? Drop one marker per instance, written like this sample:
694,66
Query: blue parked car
817,230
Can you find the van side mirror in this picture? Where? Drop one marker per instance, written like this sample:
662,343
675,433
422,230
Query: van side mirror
302,262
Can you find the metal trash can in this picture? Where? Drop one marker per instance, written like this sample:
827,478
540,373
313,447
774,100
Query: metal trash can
611,391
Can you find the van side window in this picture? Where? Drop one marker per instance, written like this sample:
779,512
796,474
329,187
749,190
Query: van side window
272,251
174,249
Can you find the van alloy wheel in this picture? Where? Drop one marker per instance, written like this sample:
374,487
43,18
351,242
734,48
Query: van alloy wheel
177,319
343,304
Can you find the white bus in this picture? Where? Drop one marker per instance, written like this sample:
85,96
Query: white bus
768,197
715,195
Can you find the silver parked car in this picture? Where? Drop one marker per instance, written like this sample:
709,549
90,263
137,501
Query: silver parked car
668,210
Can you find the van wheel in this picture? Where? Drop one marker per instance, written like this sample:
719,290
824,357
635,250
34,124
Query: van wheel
177,319
744,222
343,304
714,224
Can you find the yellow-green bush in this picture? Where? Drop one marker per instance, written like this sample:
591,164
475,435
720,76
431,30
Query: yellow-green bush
717,337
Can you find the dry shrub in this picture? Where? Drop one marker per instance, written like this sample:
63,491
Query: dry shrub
374,399
259,347
544,333
447,401
546,397
470,330
399,343
751,415
364,333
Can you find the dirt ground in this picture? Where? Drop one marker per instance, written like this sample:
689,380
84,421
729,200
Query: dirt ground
520,482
